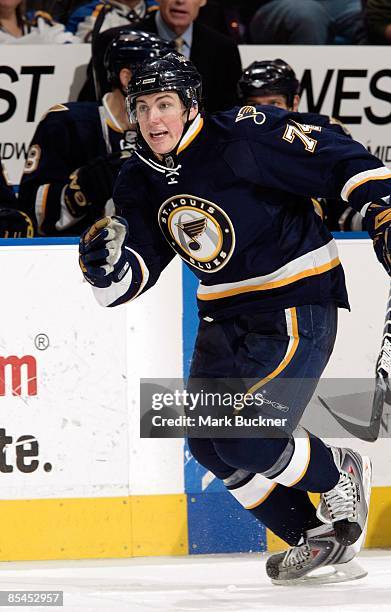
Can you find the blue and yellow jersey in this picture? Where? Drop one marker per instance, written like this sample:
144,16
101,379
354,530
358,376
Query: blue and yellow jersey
69,136
235,204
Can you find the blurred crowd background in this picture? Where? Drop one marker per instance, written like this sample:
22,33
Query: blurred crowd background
246,21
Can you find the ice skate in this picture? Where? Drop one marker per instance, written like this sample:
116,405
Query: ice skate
318,559
345,507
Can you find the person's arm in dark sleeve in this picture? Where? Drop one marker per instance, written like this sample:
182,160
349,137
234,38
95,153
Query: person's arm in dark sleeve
282,153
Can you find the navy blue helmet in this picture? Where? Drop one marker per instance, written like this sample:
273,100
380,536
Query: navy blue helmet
129,48
173,72
268,77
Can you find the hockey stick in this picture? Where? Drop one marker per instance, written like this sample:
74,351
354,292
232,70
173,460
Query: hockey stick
382,392
94,60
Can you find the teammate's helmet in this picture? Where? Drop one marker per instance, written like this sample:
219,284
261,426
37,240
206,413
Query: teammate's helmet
173,72
268,77
130,48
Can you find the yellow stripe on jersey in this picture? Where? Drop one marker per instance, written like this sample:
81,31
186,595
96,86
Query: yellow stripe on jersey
298,464
40,204
57,108
113,127
383,217
254,492
191,134
317,207
264,497
293,333
97,10
313,263
376,174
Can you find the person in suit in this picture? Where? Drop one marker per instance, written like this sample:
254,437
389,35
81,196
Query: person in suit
216,56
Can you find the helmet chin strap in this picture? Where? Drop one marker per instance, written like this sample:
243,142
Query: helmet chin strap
169,159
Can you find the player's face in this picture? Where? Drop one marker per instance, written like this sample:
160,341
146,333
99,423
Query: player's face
179,14
271,99
161,117
6,5
275,100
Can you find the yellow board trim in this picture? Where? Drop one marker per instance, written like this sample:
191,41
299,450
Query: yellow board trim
379,525
93,528
273,284
159,525
107,527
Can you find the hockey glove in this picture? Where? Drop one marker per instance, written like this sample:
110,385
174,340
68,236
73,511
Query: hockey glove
378,223
15,224
92,184
102,255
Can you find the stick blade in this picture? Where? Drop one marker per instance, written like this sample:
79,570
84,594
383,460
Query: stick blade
366,429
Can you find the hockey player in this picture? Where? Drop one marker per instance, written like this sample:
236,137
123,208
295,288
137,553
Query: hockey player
271,82
274,82
226,194
78,147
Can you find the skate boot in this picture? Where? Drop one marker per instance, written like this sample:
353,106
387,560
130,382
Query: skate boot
317,559
346,506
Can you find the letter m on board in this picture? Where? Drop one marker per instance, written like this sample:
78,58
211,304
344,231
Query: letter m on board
20,370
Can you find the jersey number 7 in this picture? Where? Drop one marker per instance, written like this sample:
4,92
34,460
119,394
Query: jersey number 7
301,131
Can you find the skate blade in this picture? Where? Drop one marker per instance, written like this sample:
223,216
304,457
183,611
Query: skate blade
367,485
331,574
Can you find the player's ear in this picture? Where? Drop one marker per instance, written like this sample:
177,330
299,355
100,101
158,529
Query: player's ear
296,101
124,76
193,111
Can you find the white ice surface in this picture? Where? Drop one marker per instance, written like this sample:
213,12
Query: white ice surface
213,583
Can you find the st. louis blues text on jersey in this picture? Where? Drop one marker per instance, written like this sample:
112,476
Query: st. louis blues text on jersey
230,203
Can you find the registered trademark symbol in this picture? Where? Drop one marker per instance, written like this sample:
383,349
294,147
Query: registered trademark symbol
41,342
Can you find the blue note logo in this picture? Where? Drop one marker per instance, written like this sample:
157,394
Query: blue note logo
198,230
250,112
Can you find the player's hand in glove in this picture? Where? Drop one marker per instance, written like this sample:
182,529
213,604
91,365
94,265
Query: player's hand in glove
15,224
378,223
102,255
92,184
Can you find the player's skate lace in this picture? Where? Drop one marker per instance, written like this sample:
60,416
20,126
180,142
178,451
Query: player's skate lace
297,555
340,502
